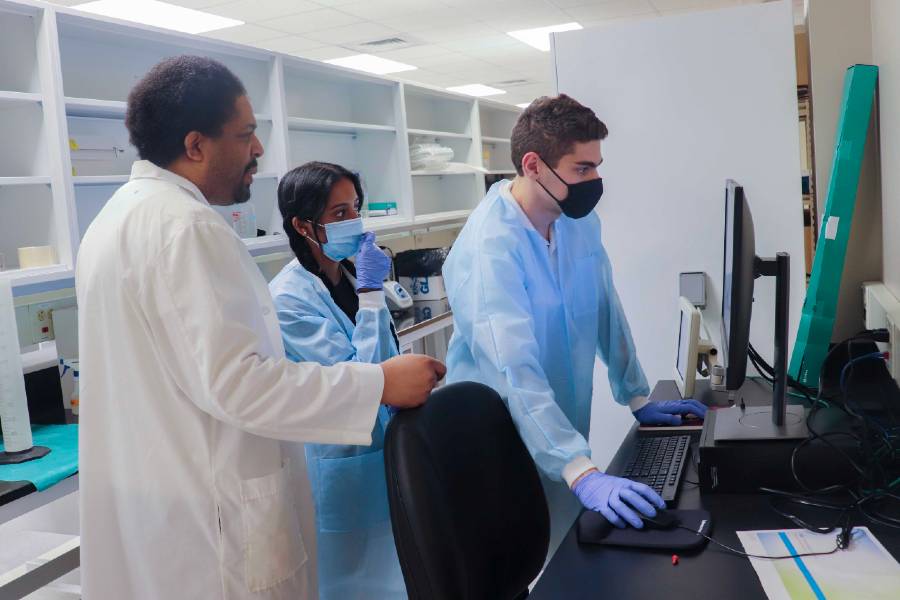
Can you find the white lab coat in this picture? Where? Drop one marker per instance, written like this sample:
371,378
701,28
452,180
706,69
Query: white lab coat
185,393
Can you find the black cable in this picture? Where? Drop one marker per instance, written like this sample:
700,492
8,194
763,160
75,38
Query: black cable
875,441
837,546
768,373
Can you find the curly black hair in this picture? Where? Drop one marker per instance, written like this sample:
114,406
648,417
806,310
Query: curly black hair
179,95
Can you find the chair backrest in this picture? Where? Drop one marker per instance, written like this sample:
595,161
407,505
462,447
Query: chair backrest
468,510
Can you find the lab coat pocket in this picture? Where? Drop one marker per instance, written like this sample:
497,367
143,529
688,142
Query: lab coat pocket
273,547
351,492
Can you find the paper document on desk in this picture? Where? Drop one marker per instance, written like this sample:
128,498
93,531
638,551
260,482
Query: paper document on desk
864,570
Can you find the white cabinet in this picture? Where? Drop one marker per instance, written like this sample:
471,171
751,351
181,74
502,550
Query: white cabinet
64,84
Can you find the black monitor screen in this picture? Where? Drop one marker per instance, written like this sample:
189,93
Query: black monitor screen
738,274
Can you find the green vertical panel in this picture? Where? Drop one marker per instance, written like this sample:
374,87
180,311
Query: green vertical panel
820,306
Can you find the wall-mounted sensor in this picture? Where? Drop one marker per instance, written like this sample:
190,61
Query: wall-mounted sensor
693,287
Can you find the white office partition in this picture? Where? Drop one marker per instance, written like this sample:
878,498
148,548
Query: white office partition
690,101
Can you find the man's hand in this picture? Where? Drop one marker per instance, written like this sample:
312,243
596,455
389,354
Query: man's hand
409,379
668,412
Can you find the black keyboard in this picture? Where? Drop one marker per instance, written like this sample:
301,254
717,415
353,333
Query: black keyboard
659,462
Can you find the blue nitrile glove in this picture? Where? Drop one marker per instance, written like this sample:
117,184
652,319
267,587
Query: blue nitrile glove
617,498
668,412
372,265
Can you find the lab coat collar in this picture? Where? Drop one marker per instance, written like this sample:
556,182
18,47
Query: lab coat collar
506,195
144,169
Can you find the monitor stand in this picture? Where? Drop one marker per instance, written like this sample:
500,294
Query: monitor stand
703,392
755,423
779,421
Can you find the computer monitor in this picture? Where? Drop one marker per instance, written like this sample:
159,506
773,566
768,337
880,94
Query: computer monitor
738,274
741,267
688,349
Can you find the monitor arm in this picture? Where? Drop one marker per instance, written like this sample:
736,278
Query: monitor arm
779,268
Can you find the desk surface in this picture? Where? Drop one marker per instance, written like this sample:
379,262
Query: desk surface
581,571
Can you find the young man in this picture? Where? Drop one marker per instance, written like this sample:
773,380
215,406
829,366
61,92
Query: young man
533,302
185,386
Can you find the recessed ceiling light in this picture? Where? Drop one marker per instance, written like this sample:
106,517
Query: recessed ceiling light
476,89
524,105
160,14
371,64
539,37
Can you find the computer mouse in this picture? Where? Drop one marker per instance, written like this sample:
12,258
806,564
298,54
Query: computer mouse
663,520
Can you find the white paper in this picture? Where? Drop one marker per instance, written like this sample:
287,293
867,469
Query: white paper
831,228
864,570
13,404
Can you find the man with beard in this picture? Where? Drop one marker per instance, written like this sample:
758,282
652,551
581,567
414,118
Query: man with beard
185,387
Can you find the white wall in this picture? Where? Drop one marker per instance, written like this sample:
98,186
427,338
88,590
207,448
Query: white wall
690,101
840,35
886,53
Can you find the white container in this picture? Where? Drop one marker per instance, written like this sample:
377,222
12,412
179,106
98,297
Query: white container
424,288
36,256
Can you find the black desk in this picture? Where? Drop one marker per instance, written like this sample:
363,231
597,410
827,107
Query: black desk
599,572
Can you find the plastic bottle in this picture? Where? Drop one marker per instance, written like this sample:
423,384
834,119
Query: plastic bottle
74,400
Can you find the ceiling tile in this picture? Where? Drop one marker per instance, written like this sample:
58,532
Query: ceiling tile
519,52
358,32
667,5
530,20
422,51
567,3
338,3
198,4
472,66
497,42
243,34
428,62
610,10
432,78
420,21
254,11
451,34
289,44
379,10
315,20
323,53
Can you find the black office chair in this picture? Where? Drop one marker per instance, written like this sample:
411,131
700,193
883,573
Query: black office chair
468,511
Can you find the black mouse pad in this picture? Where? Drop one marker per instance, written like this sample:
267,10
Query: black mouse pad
593,528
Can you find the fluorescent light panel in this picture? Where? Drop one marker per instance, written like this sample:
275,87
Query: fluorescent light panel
159,14
371,64
478,90
524,105
539,37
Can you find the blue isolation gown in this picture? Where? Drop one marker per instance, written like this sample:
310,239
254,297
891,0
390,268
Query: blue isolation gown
356,555
529,319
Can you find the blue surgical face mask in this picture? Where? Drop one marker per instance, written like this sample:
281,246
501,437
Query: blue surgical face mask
344,239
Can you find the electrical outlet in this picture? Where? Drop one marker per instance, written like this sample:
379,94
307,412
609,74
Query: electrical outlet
41,322
894,347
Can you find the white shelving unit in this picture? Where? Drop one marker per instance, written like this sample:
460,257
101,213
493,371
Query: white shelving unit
497,121
63,91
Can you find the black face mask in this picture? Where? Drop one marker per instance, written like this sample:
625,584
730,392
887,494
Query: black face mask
582,199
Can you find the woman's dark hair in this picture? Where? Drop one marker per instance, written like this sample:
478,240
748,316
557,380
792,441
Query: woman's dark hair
303,193
178,96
